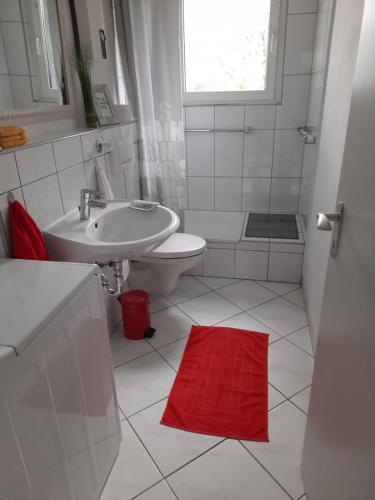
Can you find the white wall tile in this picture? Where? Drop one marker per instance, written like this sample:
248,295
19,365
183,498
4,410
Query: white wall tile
9,178
111,134
89,144
200,154
251,265
286,247
256,195
15,48
258,152
260,244
116,178
34,163
285,267
72,180
292,113
284,195
43,200
260,117
323,24
17,193
200,193
68,152
10,10
228,193
228,154
125,130
229,117
199,117
21,90
301,6
316,100
132,180
299,46
3,61
6,99
3,251
288,154
218,262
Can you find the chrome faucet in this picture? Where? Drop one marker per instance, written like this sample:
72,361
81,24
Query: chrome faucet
90,198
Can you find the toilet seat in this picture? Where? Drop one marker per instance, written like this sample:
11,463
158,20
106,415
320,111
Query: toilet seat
178,246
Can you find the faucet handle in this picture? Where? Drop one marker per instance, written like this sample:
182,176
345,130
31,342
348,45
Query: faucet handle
89,194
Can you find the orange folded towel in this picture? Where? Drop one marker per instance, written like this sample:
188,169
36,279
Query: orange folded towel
11,142
11,130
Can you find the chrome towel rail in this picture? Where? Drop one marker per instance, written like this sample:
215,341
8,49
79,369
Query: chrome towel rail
246,130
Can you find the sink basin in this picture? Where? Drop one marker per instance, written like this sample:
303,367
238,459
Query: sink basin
113,232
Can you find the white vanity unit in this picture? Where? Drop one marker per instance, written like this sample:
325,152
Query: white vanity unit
59,425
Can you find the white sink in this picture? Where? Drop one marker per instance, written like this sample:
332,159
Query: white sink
113,232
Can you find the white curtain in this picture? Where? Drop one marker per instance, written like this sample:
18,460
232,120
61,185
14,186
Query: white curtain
153,53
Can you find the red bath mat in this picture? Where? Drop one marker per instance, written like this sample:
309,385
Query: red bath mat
221,386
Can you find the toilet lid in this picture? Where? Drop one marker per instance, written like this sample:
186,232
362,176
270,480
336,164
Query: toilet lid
178,245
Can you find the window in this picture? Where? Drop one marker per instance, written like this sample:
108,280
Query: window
233,50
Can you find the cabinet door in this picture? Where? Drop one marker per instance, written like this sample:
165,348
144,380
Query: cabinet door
61,406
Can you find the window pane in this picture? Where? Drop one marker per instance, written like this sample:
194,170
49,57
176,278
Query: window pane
226,44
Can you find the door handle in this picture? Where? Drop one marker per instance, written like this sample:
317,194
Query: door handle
324,224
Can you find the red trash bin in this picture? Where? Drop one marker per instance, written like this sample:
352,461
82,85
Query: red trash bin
136,314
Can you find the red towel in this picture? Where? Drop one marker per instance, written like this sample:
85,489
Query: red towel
221,386
27,240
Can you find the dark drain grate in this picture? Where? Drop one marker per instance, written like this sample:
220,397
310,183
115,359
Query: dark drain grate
272,226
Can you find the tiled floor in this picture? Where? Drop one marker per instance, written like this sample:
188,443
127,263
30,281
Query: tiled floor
160,463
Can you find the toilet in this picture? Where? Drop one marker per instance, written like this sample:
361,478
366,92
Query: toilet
160,269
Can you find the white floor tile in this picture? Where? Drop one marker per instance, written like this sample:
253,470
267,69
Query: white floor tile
171,324
158,302
133,471
187,288
246,294
120,414
302,339
279,288
302,399
170,448
274,397
160,491
215,283
246,322
225,472
289,368
143,382
280,315
209,309
296,297
282,455
124,349
173,352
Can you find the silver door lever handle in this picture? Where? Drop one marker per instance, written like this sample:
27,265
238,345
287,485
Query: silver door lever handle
324,220
324,224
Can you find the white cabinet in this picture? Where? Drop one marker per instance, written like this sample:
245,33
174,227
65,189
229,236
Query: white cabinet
59,427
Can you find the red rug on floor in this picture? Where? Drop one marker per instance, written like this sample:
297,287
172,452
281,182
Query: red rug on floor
221,386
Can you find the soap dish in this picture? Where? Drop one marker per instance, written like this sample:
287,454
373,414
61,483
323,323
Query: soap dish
145,206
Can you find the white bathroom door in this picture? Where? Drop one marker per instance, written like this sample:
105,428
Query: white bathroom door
339,452
343,54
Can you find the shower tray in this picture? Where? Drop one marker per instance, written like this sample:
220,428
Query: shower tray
280,226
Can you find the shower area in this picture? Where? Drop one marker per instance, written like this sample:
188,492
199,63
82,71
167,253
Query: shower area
251,168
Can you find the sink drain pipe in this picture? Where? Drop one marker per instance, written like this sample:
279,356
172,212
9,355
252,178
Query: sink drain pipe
119,278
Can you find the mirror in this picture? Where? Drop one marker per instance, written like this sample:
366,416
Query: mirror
32,71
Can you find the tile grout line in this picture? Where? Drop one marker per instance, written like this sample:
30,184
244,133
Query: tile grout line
213,324
265,469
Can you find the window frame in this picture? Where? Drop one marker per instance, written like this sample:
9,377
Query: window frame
275,62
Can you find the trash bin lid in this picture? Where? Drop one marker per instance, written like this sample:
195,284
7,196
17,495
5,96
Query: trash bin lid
135,298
